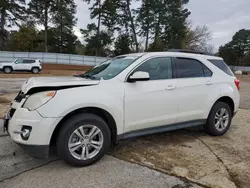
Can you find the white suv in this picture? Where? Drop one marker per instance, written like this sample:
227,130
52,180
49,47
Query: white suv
28,65
127,96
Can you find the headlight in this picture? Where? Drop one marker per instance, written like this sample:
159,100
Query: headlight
38,99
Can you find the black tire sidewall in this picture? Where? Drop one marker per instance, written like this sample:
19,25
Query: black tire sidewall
210,126
71,125
7,68
34,68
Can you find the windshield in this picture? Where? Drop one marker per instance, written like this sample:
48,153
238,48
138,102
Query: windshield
110,68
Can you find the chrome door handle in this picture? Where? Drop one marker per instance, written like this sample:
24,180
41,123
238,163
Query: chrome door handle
170,87
209,83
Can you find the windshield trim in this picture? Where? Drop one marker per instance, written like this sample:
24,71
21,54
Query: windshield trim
117,57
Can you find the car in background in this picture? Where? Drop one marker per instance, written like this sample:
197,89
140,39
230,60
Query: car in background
27,65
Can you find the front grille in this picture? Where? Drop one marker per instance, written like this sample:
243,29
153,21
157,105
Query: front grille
19,97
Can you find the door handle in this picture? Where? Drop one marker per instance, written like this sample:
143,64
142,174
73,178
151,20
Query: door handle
170,87
209,83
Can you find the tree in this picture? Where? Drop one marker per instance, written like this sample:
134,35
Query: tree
241,44
126,21
145,18
63,18
122,44
106,13
175,24
91,39
198,38
11,11
96,10
80,48
236,52
164,21
40,10
25,39
228,54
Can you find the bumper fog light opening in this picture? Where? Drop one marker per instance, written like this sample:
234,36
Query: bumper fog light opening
25,132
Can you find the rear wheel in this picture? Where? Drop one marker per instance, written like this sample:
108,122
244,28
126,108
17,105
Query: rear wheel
7,70
219,119
35,70
83,140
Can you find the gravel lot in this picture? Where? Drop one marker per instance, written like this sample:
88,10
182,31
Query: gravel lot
184,158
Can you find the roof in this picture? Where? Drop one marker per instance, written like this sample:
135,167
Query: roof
183,54
26,58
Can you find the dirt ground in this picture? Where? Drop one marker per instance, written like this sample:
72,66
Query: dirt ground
221,162
48,70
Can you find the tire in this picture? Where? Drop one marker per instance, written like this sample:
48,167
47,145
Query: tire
214,118
35,70
66,135
7,70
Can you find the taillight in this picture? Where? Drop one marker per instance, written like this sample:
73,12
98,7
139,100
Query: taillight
237,83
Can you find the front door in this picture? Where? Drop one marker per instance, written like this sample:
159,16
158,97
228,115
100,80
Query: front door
18,65
151,103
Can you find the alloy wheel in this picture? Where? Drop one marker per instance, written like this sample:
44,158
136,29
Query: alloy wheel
221,119
85,142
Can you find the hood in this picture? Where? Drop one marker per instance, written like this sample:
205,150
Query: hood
56,83
2,63
6,62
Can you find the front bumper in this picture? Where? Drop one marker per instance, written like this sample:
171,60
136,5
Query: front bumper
36,151
37,144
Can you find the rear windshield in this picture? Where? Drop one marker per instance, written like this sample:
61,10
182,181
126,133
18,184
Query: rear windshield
222,66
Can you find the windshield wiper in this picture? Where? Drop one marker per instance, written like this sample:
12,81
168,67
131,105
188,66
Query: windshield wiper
88,76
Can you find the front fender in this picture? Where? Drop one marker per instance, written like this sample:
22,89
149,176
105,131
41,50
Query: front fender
69,100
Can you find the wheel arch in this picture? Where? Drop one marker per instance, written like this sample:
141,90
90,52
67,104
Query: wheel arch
5,66
35,67
226,99
105,115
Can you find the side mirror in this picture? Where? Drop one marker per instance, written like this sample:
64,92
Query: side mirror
139,76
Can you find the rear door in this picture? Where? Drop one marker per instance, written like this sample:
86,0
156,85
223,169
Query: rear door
194,83
28,63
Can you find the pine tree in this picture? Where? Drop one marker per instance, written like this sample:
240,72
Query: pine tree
63,18
41,11
176,24
106,13
145,19
11,11
122,44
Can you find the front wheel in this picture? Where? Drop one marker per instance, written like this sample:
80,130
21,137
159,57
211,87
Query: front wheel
219,119
7,70
83,140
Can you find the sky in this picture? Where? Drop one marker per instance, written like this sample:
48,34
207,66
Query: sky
223,17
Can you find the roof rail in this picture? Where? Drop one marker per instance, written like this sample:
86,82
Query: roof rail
189,51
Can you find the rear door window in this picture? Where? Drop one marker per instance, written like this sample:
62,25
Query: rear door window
222,66
189,68
207,71
28,61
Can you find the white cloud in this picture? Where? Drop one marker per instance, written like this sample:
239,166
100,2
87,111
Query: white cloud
223,17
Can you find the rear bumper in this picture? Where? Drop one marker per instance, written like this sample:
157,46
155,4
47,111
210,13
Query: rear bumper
36,151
